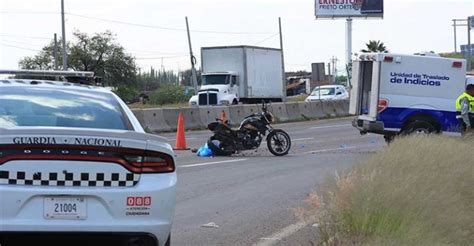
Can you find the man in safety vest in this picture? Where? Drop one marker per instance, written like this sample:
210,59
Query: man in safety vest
465,109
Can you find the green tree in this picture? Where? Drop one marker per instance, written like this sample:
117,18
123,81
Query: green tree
375,46
99,53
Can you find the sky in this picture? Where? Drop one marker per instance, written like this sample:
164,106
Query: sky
159,38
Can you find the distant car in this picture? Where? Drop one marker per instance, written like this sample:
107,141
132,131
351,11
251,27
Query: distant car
328,92
76,165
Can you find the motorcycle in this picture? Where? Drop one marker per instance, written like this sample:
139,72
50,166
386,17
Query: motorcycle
252,130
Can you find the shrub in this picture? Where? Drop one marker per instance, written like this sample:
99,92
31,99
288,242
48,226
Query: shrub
418,191
127,94
169,94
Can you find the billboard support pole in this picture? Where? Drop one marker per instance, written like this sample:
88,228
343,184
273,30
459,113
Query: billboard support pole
349,49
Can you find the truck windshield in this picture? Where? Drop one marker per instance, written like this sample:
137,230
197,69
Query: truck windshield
215,79
323,92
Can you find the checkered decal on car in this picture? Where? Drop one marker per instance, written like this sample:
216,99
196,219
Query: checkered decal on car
69,179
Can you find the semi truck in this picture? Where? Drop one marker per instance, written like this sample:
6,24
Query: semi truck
395,94
233,74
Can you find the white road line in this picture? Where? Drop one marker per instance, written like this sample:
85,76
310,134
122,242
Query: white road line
283,233
301,139
211,163
331,126
327,150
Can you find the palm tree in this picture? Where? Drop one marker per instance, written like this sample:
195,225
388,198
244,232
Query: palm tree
375,46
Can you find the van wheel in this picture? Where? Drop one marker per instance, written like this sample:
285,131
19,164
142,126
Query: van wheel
419,128
388,139
235,102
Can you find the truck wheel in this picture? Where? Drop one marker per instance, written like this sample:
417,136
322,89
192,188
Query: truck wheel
419,128
235,102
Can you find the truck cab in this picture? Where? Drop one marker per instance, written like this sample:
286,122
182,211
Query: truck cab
217,88
396,94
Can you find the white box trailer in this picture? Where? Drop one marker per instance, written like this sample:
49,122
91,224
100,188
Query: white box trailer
403,94
232,74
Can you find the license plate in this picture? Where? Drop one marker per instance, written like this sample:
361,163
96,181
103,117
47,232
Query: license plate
67,208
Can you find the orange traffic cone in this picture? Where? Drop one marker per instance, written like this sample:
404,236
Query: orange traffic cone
180,135
224,117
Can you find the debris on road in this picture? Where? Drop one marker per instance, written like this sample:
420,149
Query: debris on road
210,225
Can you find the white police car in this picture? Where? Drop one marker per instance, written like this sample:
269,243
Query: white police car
76,166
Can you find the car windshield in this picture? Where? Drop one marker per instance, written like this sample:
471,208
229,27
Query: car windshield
215,79
53,107
324,91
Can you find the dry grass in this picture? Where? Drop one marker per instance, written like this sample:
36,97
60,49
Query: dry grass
418,191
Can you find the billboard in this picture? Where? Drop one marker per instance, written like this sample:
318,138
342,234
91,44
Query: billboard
348,8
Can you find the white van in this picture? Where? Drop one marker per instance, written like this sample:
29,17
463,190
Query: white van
403,94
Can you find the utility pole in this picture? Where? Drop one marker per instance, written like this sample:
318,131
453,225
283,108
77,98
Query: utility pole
64,36
282,59
55,52
455,43
348,50
334,69
193,61
469,43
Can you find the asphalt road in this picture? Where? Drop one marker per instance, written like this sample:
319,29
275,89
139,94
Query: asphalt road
250,199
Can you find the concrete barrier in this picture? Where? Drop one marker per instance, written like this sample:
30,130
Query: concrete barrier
305,110
140,116
154,120
342,107
192,118
236,114
329,109
210,114
250,109
317,110
293,111
279,111
166,119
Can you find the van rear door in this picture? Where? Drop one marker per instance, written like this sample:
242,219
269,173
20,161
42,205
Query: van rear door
365,91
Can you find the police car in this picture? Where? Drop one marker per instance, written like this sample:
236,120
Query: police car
397,94
76,166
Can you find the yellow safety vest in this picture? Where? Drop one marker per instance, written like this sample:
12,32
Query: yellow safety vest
471,102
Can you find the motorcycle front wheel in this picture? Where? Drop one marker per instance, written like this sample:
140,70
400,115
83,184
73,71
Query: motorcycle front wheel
278,142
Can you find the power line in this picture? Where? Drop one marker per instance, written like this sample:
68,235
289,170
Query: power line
22,43
267,38
28,12
162,27
18,47
158,57
21,36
